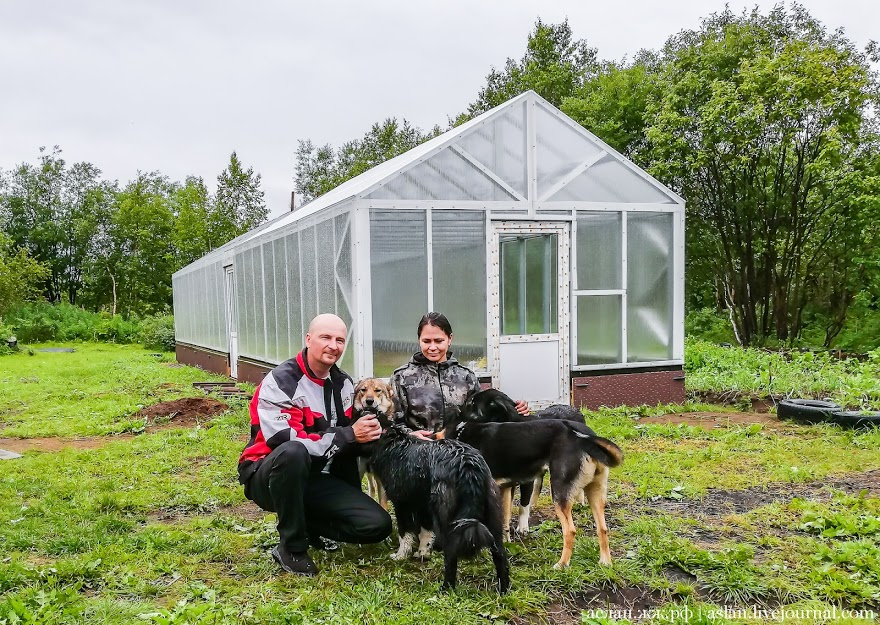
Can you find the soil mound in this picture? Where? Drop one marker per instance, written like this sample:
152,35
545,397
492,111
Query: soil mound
183,412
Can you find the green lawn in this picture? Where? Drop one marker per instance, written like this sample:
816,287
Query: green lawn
155,528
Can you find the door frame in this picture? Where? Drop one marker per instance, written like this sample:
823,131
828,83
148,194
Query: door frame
563,231
231,321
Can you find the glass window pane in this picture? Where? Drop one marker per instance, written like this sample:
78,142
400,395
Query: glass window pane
308,276
529,284
459,263
599,251
399,277
599,329
649,275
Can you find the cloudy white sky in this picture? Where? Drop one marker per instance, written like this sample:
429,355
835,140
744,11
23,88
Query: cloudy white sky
176,85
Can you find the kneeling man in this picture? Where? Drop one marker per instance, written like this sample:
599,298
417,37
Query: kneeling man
301,460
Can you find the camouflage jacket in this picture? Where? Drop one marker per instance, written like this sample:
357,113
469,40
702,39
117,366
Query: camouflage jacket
426,391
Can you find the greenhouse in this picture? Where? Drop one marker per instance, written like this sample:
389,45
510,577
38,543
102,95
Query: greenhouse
559,263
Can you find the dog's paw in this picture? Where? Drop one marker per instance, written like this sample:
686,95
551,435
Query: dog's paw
399,556
423,553
560,565
522,527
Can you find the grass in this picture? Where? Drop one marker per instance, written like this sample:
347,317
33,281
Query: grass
155,528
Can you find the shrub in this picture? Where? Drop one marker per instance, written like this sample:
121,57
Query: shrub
42,321
709,325
157,332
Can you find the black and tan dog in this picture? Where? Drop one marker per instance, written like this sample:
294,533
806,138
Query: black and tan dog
519,452
444,487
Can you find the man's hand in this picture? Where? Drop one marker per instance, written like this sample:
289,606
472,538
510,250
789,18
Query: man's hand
425,435
522,407
367,429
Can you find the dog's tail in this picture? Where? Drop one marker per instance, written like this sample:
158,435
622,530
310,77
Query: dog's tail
467,536
600,449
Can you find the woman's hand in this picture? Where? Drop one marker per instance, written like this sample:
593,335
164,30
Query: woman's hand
522,407
425,435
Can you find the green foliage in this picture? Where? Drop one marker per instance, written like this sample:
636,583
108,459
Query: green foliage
41,321
765,123
555,65
157,332
849,382
20,276
319,170
239,204
708,325
50,605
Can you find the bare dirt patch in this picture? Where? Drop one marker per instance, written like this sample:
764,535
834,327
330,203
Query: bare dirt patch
743,401
567,611
185,412
246,511
718,503
20,445
712,420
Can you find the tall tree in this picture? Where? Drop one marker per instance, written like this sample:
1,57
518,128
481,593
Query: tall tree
760,124
319,170
239,204
555,65
20,275
50,210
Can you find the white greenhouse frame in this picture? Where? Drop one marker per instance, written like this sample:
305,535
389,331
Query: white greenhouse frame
522,163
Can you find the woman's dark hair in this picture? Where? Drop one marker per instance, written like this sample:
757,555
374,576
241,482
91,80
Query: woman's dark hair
435,319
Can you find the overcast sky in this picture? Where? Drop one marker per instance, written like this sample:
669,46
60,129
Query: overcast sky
177,85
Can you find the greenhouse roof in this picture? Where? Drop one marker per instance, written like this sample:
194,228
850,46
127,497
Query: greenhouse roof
485,159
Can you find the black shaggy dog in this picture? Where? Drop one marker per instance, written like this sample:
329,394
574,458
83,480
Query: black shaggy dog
519,451
441,486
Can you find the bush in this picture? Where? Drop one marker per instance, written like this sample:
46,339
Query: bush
709,325
42,321
157,332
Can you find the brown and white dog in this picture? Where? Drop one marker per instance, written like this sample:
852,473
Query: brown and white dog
373,396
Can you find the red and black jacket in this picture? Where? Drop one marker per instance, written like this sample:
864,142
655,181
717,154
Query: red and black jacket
292,404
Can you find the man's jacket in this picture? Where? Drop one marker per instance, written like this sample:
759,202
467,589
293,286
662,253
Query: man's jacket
291,404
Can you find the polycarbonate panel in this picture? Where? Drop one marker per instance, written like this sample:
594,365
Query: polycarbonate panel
600,334
445,176
399,277
282,334
529,290
269,293
501,147
344,276
308,276
599,251
559,149
326,273
243,303
609,180
459,264
294,303
649,274
260,350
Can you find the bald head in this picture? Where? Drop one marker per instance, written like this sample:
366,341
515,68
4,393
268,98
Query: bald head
327,320
325,342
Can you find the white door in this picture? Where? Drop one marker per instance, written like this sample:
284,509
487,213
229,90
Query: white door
529,281
231,327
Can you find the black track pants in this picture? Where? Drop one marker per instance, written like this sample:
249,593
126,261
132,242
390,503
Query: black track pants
311,503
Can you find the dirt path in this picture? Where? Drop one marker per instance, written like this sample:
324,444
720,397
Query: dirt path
180,413
712,420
